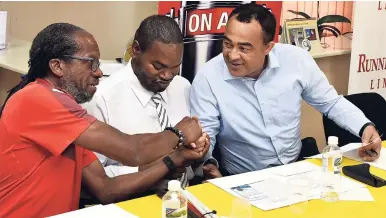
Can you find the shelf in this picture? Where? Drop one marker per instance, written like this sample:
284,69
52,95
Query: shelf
331,52
16,55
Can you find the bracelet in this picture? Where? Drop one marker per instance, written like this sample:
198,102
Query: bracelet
180,135
364,127
169,163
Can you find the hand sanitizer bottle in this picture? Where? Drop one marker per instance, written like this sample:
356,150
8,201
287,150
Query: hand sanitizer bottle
331,170
174,202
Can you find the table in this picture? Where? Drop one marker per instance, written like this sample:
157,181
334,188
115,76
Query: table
217,199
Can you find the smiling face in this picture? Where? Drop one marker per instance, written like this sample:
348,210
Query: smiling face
78,77
244,49
158,65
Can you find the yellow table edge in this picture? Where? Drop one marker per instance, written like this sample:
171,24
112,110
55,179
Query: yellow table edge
219,200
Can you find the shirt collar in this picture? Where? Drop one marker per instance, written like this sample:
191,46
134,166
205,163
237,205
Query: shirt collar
143,95
272,63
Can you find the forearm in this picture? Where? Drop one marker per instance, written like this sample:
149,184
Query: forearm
131,150
122,187
154,146
347,116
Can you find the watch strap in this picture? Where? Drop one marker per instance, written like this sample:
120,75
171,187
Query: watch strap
169,163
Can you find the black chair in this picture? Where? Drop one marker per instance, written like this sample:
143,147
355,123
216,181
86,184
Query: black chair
373,106
309,148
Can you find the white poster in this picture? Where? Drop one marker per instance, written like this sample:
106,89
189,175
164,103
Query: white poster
368,56
3,29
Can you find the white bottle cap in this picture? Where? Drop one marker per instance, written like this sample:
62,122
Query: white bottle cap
333,140
174,185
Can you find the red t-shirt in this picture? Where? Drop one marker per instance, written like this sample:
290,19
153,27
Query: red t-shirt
40,168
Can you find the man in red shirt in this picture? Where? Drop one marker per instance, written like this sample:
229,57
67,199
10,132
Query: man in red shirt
46,136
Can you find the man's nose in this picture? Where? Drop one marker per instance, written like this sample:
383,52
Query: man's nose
167,74
98,73
233,55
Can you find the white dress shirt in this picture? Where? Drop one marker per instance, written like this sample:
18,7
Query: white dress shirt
256,122
122,102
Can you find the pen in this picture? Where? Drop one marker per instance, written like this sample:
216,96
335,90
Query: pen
372,152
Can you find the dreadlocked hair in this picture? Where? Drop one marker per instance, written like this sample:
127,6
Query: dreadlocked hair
54,41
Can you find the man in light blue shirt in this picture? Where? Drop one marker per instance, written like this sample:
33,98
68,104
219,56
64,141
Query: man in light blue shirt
248,98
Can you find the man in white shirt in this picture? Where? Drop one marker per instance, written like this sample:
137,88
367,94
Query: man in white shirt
146,96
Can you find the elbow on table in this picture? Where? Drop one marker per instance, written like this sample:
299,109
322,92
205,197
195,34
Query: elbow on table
107,199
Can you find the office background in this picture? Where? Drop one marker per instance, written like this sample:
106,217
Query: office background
113,24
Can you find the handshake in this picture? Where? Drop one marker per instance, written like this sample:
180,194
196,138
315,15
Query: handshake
196,146
196,143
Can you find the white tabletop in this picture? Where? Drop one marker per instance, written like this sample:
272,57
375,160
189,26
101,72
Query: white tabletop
15,56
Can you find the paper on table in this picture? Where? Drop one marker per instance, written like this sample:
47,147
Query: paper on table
268,189
379,163
293,168
98,211
266,194
113,210
358,194
344,148
93,211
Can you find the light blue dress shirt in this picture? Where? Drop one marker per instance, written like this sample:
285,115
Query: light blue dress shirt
257,121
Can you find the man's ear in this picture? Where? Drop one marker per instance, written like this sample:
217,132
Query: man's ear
136,49
56,67
269,47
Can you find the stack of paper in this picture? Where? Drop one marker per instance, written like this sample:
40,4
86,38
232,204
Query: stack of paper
98,211
351,151
379,163
270,189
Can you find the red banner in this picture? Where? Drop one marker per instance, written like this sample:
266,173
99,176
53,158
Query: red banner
202,25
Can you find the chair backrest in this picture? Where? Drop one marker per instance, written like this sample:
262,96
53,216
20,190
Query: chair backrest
373,106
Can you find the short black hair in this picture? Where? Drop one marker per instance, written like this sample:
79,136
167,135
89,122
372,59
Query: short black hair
158,28
246,12
54,41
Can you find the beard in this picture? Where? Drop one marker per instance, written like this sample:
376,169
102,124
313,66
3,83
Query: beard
80,95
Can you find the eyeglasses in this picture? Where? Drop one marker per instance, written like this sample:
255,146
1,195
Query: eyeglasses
94,62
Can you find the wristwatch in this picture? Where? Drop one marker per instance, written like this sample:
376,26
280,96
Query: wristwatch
180,134
169,163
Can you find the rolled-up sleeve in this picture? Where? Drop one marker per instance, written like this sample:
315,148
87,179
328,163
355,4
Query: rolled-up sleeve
320,94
